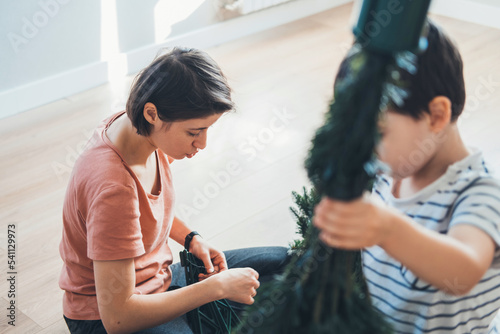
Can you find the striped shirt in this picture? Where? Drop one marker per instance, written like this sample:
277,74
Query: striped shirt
466,194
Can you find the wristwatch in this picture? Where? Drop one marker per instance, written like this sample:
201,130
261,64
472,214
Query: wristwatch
189,237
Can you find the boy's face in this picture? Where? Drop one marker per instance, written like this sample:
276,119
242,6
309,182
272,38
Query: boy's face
407,144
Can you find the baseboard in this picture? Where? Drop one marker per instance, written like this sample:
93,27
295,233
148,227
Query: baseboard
468,10
234,28
53,88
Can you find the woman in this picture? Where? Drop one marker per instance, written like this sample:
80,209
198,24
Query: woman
118,209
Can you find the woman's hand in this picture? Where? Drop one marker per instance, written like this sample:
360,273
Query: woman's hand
356,224
238,284
213,259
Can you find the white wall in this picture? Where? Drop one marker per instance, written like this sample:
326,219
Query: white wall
50,49
484,12
495,3
154,21
38,40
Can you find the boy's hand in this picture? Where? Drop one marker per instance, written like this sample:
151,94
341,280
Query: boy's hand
356,224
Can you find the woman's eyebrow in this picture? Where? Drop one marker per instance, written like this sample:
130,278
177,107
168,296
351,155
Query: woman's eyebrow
198,128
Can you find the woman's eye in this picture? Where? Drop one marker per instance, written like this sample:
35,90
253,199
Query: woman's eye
193,134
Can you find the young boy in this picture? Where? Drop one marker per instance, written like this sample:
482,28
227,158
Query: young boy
430,230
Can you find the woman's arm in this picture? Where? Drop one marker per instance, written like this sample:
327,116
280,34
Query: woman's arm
213,259
453,262
122,311
179,231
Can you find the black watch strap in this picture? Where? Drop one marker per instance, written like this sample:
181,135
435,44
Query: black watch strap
189,237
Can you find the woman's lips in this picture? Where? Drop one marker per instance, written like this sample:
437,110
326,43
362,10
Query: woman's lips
189,156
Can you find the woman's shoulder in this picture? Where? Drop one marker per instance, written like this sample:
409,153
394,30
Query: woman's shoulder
100,166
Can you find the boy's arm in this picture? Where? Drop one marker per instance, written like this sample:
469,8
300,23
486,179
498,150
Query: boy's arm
453,262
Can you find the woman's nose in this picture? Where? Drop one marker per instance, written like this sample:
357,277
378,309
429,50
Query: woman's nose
201,141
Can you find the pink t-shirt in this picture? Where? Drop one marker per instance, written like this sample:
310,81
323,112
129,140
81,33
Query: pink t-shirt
107,215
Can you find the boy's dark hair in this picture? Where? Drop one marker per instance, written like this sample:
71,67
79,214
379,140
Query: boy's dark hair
439,73
183,84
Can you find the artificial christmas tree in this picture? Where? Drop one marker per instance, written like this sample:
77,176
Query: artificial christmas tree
322,289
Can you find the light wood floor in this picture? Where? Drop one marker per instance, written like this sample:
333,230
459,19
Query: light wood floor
284,71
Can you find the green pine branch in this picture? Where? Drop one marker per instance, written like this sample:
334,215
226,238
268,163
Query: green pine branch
303,213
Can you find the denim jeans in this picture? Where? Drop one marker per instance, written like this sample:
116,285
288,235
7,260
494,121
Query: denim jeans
267,261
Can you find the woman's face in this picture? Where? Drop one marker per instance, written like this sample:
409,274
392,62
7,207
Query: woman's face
182,139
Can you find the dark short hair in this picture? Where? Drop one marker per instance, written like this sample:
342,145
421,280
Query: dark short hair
439,73
183,84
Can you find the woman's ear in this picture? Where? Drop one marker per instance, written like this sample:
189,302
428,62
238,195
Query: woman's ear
440,113
150,113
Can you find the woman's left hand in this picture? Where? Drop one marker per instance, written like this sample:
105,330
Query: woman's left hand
213,259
